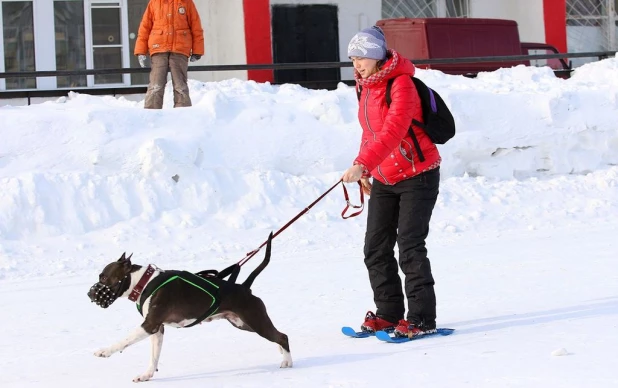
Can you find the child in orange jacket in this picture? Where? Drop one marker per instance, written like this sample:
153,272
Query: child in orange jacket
171,32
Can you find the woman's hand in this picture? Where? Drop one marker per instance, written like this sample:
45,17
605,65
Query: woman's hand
366,184
353,174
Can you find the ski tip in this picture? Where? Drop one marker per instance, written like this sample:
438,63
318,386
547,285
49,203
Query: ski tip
350,332
445,331
384,336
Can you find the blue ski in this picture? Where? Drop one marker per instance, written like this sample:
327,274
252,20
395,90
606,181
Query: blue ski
384,336
350,332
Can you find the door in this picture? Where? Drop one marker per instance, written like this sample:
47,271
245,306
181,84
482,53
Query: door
136,12
305,33
106,41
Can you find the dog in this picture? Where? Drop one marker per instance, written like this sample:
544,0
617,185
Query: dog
183,299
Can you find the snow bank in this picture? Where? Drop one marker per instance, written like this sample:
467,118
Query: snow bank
251,155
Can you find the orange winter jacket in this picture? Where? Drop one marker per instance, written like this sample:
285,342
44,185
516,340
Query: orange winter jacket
170,26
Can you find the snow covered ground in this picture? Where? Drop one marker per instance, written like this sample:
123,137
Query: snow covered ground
522,242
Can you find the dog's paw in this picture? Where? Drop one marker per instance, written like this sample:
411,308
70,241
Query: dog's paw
145,377
103,353
287,358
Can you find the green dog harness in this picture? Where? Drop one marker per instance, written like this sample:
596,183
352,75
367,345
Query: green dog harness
194,280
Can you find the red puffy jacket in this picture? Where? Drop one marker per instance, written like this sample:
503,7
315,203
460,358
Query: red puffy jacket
387,150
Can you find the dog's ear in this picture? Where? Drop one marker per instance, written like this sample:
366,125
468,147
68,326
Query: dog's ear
126,263
124,258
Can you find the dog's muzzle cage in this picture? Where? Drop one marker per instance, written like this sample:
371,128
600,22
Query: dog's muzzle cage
103,295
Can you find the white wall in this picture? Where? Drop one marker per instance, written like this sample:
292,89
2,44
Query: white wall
224,33
354,15
527,13
224,38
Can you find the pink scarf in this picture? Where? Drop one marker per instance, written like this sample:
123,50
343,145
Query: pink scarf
380,75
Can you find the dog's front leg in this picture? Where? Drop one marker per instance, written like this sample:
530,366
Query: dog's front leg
156,342
137,335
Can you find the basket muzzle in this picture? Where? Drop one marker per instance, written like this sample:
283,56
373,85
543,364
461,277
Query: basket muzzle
102,295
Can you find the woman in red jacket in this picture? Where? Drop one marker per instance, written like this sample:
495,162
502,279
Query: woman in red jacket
404,165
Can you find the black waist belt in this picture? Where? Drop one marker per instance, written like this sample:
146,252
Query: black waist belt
200,282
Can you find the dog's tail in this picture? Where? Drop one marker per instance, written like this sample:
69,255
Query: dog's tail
249,281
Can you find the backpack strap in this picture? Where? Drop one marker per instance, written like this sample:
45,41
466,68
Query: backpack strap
389,86
389,100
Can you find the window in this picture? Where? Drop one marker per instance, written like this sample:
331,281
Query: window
586,12
408,8
457,8
106,41
18,32
425,8
70,41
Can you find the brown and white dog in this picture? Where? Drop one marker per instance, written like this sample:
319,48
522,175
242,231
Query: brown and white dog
180,301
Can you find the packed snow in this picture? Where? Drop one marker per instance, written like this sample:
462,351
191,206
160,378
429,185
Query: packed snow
522,241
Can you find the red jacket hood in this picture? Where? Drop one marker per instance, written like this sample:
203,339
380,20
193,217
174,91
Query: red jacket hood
404,67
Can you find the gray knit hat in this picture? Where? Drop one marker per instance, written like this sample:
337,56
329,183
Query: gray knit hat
368,43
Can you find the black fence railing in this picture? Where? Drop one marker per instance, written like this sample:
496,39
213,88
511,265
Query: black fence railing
116,90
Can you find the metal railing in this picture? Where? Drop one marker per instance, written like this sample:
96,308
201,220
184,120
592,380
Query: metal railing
32,93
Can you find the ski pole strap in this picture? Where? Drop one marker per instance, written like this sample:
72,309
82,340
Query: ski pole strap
349,205
305,210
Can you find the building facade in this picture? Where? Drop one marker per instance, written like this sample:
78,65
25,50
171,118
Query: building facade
97,34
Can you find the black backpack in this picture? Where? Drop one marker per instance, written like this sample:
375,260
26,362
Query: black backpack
439,122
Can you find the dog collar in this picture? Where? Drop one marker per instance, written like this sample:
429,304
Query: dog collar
137,290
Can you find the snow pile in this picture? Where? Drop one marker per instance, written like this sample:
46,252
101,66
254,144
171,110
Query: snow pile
86,163
522,240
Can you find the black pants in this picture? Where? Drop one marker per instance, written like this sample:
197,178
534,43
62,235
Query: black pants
400,214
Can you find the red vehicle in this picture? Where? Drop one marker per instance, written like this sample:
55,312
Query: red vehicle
434,38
